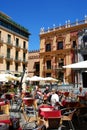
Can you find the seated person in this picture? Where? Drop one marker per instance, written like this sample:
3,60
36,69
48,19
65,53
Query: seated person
72,96
12,89
47,90
46,94
38,95
55,99
28,92
81,91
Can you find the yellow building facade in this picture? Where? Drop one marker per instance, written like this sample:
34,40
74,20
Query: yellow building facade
58,47
13,46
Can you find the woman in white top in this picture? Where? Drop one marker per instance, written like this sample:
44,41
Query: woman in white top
54,97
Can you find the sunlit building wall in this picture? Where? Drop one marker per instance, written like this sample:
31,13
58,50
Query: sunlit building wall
33,63
58,47
13,46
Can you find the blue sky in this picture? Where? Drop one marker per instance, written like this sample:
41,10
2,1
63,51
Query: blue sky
34,14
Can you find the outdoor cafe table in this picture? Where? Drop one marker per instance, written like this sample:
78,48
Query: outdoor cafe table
70,103
81,97
51,115
29,101
43,108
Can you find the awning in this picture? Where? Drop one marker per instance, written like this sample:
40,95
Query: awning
78,65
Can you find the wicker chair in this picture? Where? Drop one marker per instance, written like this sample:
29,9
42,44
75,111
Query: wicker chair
68,116
82,114
53,118
29,110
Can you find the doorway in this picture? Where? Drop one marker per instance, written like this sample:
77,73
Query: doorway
84,78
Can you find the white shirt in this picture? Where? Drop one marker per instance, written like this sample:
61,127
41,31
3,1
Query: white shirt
54,99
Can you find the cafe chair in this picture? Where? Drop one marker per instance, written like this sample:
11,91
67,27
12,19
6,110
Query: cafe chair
53,118
34,125
15,109
68,116
54,123
29,110
81,114
4,126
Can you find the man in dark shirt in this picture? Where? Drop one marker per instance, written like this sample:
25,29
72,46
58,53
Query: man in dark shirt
47,94
46,91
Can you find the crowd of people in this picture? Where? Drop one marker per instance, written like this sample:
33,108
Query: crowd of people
50,96
57,97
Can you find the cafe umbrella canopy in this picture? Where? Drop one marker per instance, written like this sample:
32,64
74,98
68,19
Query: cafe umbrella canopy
51,79
78,65
82,65
7,77
35,78
3,78
38,78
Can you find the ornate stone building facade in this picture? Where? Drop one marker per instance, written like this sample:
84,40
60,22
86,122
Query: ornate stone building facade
13,46
58,47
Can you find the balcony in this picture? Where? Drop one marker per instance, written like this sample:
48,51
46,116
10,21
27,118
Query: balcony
17,60
47,69
24,49
9,43
9,58
24,61
18,47
67,25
